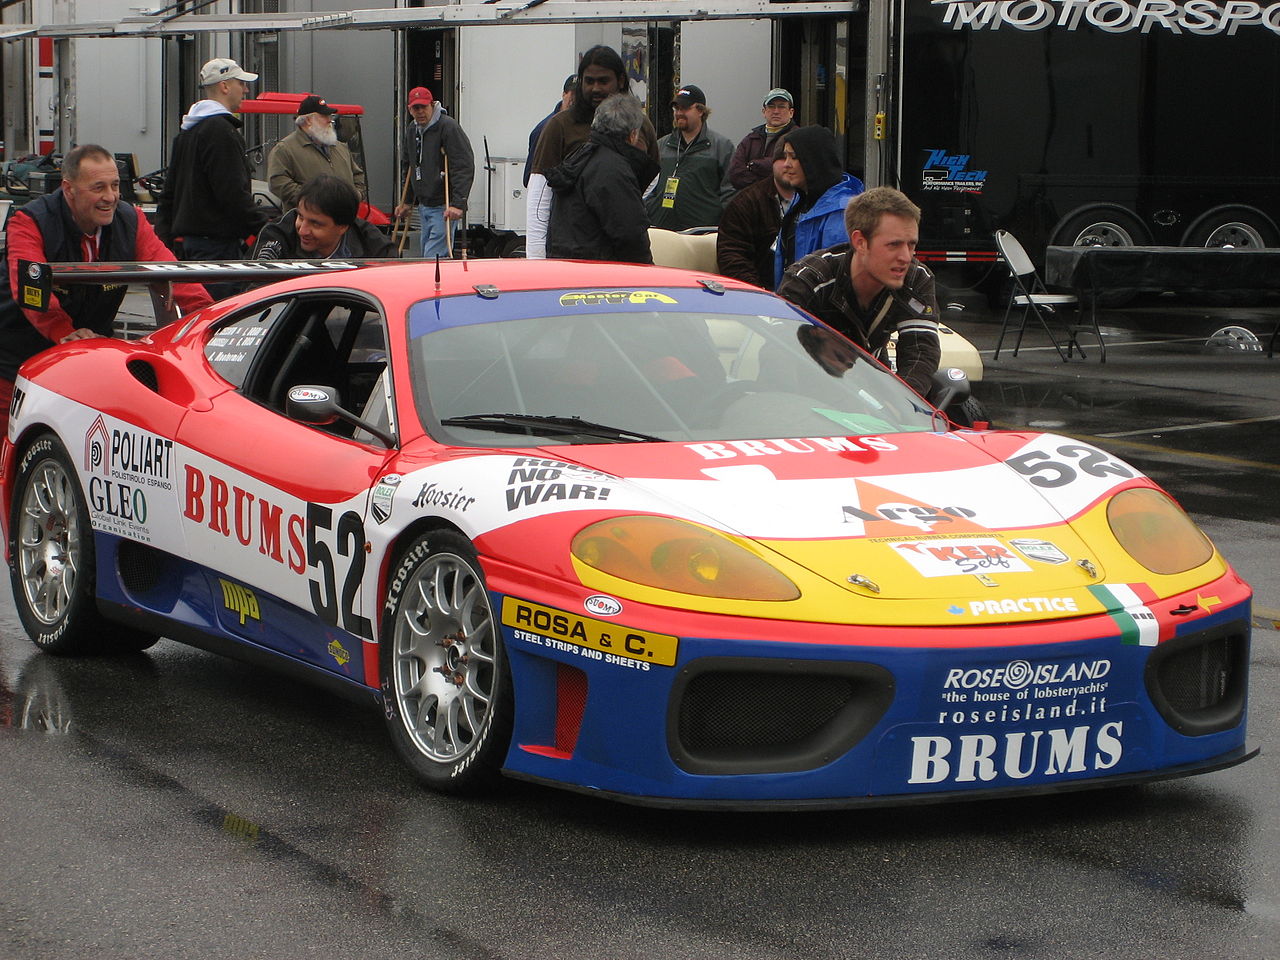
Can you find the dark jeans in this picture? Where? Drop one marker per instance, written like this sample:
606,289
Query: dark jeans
215,248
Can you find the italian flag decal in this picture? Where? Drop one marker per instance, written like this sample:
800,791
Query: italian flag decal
1138,625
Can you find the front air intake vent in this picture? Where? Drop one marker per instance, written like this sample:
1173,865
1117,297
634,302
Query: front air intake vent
1198,681
742,716
145,374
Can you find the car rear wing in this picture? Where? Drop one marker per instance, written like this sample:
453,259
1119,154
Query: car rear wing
38,279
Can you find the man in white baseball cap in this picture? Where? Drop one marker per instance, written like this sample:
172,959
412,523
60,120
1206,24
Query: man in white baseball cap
208,194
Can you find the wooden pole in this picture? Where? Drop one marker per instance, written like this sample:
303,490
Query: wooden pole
404,198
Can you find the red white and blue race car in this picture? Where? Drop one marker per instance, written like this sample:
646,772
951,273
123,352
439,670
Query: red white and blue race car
632,530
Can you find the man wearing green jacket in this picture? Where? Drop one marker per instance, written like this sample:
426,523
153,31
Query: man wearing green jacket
693,186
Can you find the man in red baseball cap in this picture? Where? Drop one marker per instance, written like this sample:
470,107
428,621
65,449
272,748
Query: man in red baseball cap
439,166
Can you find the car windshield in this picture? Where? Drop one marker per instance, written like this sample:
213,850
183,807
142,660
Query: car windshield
637,375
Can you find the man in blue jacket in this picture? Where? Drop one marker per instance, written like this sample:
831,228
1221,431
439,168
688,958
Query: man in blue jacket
815,219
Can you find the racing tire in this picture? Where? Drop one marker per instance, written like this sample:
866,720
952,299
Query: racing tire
1102,225
53,572
446,685
967,413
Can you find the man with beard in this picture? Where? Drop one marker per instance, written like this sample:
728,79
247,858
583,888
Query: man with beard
601,74
694,185
309,152
598,212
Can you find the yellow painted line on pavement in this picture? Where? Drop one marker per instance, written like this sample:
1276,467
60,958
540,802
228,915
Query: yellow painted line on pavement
1204,425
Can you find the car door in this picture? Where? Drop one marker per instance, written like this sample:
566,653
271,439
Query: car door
275,509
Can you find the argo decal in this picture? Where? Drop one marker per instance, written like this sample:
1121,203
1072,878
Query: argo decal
957,555
588,638
596,298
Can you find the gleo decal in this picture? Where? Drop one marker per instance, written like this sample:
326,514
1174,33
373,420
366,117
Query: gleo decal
595,298
602,606
975,757
383,497
118,508
339,653
240,600
958,555
588,638
728,449
535,480
1041,550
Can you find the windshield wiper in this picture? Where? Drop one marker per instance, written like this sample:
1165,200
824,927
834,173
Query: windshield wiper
522,422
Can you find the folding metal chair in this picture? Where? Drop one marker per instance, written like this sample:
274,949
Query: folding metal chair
1029,293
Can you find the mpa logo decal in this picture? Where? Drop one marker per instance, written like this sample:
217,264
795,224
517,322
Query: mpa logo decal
595,298
240,600
602,606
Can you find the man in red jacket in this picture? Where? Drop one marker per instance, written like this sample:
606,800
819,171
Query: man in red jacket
82,222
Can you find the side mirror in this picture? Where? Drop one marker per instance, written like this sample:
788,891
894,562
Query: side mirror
950,386
318,405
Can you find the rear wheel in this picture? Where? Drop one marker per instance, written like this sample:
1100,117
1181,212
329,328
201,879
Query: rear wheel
1102,225
1232,226
445,683
53,571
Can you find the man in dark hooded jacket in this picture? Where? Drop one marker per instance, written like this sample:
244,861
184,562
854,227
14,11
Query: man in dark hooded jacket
815,219
598,213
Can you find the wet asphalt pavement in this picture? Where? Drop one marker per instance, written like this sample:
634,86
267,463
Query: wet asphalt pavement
175,804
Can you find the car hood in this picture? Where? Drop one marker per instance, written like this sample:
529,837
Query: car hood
956,519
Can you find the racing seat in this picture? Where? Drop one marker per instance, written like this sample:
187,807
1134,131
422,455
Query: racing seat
1028,293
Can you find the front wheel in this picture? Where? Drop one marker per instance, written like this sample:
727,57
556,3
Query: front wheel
52,570
446,686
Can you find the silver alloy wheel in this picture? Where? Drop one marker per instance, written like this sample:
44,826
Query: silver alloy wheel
1104,233
444,658
1235,233
49,550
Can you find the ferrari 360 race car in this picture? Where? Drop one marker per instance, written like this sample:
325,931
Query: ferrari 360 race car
632,530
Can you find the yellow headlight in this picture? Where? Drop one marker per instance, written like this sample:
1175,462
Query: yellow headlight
683,557
1155,531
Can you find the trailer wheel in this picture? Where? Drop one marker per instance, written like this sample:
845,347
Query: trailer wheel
1102,225
1232,226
